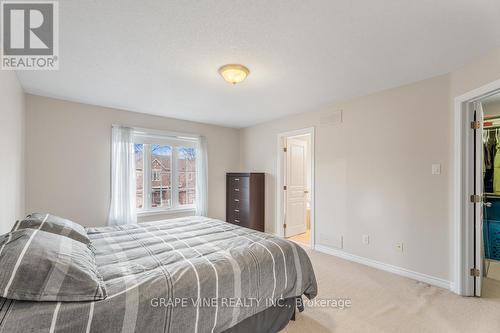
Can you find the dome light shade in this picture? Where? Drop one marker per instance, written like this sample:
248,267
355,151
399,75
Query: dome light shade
234,73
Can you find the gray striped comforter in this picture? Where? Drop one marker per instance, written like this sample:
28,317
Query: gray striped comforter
183,275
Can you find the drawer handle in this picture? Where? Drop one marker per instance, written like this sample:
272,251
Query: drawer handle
237,200
237,210
236,179
237,221
237,189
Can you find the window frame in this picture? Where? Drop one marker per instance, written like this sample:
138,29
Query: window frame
148,138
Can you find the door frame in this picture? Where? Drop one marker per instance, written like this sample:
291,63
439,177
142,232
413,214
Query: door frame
463,186
280,181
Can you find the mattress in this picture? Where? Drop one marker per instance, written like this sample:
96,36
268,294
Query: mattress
190,274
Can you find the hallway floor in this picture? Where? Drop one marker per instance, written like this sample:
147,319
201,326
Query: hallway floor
303,239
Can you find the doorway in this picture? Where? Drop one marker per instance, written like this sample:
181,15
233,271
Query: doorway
295,186
477,191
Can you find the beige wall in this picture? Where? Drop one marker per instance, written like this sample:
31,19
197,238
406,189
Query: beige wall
68,157
373,173
478,72
12,149
492,108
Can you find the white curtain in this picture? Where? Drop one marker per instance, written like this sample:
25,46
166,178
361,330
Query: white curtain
122,209
201,177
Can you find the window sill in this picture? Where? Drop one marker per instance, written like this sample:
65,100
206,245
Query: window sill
166,211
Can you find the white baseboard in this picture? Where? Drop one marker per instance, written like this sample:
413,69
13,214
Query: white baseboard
435,281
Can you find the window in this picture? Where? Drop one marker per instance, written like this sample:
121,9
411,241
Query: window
186,166
139,175
165,173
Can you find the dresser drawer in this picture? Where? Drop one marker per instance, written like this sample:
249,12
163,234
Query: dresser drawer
238,204
238,217
238,196
238,184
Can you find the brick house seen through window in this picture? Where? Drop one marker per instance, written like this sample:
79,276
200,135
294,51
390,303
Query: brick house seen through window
169,178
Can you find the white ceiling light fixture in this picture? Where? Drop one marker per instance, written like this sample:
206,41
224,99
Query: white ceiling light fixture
234,73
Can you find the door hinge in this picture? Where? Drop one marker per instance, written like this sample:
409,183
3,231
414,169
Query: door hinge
475,272
284,187
284,149
474,198
284,226
475,125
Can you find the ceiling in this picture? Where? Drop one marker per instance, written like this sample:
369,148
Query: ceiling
161,57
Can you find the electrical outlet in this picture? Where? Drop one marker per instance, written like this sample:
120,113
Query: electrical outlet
365,239
400,247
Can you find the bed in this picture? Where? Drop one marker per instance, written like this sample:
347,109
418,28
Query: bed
190,274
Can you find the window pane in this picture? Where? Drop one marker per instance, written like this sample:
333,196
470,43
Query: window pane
139,175
161,176
186,170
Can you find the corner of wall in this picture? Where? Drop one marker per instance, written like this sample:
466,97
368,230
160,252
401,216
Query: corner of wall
12,144
241,150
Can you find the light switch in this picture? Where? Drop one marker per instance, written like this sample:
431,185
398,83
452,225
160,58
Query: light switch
436,169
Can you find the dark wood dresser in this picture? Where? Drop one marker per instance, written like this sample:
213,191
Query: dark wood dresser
245,200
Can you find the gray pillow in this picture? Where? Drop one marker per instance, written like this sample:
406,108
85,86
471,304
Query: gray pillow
42,266
54,224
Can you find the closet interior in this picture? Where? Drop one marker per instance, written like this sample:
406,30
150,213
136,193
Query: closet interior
491,174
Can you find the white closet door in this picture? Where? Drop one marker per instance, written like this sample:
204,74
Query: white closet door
296,201
479,190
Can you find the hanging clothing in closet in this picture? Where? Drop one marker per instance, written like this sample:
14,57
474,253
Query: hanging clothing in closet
488,165
491,161
496,170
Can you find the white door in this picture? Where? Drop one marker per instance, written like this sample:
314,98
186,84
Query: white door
478,206
295,206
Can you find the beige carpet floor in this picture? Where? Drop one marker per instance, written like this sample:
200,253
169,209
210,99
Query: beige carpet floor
385,302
